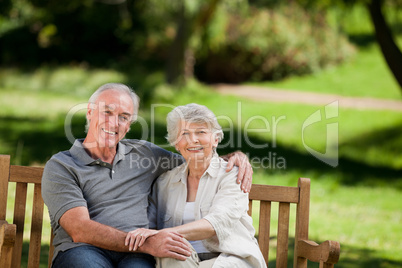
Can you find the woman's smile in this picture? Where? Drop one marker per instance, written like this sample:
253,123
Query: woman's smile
195,141
195,149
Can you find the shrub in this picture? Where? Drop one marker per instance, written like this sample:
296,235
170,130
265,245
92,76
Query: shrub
268,44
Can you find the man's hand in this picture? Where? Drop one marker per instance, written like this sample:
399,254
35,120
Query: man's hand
245,176
167,244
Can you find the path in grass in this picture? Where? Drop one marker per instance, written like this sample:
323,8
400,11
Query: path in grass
276,95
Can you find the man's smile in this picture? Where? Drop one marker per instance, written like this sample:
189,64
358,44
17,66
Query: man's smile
109,132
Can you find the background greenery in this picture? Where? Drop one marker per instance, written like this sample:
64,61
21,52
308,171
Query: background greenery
358,203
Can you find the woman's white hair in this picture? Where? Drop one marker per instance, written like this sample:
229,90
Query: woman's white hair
120,88
192,113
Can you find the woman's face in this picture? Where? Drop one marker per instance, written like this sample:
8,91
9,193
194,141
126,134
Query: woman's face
195,141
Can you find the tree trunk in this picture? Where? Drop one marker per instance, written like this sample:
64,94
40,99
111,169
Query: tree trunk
175,64
389,48
181,57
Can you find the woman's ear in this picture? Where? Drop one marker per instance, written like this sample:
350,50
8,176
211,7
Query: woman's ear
215,142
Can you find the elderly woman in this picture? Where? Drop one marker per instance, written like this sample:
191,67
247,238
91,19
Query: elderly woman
200,200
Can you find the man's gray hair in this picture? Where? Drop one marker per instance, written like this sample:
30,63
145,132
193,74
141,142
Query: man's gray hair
192,113
118,87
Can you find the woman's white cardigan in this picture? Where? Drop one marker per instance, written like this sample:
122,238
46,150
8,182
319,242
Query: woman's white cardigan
220,201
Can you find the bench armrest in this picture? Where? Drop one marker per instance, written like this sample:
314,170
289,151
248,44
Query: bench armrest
7,240
327,252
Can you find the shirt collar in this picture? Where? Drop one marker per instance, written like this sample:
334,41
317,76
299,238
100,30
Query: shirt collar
181,174
212,170
122,150
80,156
214,166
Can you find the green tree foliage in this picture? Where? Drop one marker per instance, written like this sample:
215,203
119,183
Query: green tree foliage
5,6
222,40
69,31
383,31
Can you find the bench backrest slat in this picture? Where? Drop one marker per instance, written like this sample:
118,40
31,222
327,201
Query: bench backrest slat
36,228
26,174
264,228
274,193
283,235
51,249
19,220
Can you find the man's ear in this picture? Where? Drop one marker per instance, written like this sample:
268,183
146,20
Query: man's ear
89,111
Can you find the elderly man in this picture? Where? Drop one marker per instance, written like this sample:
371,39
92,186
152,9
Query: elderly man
97,191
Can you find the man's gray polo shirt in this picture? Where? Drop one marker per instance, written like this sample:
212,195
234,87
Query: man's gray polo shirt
115,195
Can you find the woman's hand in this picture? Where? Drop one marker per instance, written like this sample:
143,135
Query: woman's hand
136,238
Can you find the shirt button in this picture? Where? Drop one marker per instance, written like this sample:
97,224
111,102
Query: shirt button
97,162
112,171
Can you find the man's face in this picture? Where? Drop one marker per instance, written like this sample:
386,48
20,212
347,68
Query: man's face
110,118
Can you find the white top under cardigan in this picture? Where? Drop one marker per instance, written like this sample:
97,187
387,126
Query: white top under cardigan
220,201
188,216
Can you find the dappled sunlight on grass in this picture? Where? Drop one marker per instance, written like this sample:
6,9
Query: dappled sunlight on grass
380,146
77,81
21,104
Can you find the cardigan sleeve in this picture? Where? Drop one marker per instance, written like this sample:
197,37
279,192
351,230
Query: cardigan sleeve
228,205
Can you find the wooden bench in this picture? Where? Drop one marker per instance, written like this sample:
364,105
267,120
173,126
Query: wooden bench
11,235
